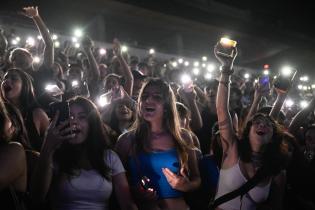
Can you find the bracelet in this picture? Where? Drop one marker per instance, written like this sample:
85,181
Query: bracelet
225,83
226,70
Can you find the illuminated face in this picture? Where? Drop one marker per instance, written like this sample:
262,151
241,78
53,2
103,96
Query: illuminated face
261,131
22,59
79,119
11,86
151,104
123,112
310,139
111,83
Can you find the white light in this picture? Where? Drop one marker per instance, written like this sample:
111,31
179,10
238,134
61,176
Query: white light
151,51
57,44
289,103
300,87
246,76
196,71
304,87
180,60
77,45
208,76
74,39
286,71
54,37
50,87
196,64
102,51
78,32
124,48
305,78
256,81
186,63
39,37
103,100
303,104
210,67
17,38
75,83
165,65
174,64
203,65
36,59
266,72
185,79
313,86
30,41
204,58
14,42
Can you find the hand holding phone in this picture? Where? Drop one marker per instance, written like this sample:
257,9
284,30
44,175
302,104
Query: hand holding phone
64,111
284,79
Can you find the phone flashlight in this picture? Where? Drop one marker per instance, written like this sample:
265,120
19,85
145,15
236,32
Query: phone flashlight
75,83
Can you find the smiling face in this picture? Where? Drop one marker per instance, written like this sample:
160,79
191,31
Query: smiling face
11,86
123,111
79,119
261,131
151,104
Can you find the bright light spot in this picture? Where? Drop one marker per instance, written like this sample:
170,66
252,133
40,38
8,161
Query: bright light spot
303,104
102,51
57,44
74,39
289,103
196,64
180,60
17,38
186,63
78,32
54,37
36,59
103,100
14,42
124,48
286,71
211,67
266,66
313,86
77,45
304,87
266,72
304,79
151,51
246,76
50,87
300,87
204,58
30,41
208,76
196,71
228,42
309,88
39,37
203,65
256,81
185,79
75,83
165,65
174,64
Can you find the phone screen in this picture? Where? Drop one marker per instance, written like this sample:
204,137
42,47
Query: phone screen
264,80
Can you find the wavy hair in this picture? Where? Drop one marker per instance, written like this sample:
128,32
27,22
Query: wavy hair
171,122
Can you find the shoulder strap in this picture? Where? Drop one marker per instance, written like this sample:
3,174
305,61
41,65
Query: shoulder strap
240,191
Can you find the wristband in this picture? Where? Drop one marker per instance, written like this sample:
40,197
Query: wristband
226,70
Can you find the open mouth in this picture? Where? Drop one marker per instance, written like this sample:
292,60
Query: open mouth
149,109
260,133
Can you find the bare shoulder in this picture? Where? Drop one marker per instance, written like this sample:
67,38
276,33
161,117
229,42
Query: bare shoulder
13,150
39,113
124,142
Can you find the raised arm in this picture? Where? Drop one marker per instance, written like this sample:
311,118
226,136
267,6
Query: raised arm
300,117
227,132
94,73
32,12
126,72
281,96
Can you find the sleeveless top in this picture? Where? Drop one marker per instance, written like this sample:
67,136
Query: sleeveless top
231,179
8,201
150,165
88,190
34,137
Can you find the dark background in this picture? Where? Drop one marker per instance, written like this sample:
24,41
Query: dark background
268,32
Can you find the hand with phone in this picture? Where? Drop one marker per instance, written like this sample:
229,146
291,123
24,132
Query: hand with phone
262,88
284,81
225,51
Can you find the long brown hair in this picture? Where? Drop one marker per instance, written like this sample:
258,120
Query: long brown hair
141,127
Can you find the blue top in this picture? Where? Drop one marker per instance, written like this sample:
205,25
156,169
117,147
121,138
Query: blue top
150,165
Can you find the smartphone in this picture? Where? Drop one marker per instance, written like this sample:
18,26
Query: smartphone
226,47
284,80
63,108
145,183
187,83
264,80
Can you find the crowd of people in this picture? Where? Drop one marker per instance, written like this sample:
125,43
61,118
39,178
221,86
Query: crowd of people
84,130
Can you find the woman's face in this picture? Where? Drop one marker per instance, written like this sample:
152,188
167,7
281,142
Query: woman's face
310,139
11,86
261,131
111,83
151,104
22,60
79,120
123,112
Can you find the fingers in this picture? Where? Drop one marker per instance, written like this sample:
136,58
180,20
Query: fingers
168,173
54,121
182,172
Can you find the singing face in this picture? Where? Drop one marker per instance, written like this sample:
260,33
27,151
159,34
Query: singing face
261,131
11,86
79,120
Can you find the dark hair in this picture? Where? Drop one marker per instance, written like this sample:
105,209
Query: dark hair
95,146
274,156
3,118
27,98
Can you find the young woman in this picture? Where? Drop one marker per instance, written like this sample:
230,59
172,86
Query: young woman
76,168
157,151
17,89
261,147
13,170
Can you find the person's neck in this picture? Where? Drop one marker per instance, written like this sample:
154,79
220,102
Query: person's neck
123,125
157,128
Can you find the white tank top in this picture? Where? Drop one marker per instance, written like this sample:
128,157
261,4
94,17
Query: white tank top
231,179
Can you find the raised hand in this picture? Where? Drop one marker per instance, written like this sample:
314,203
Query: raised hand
30,12
226,61
116,47
87,43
